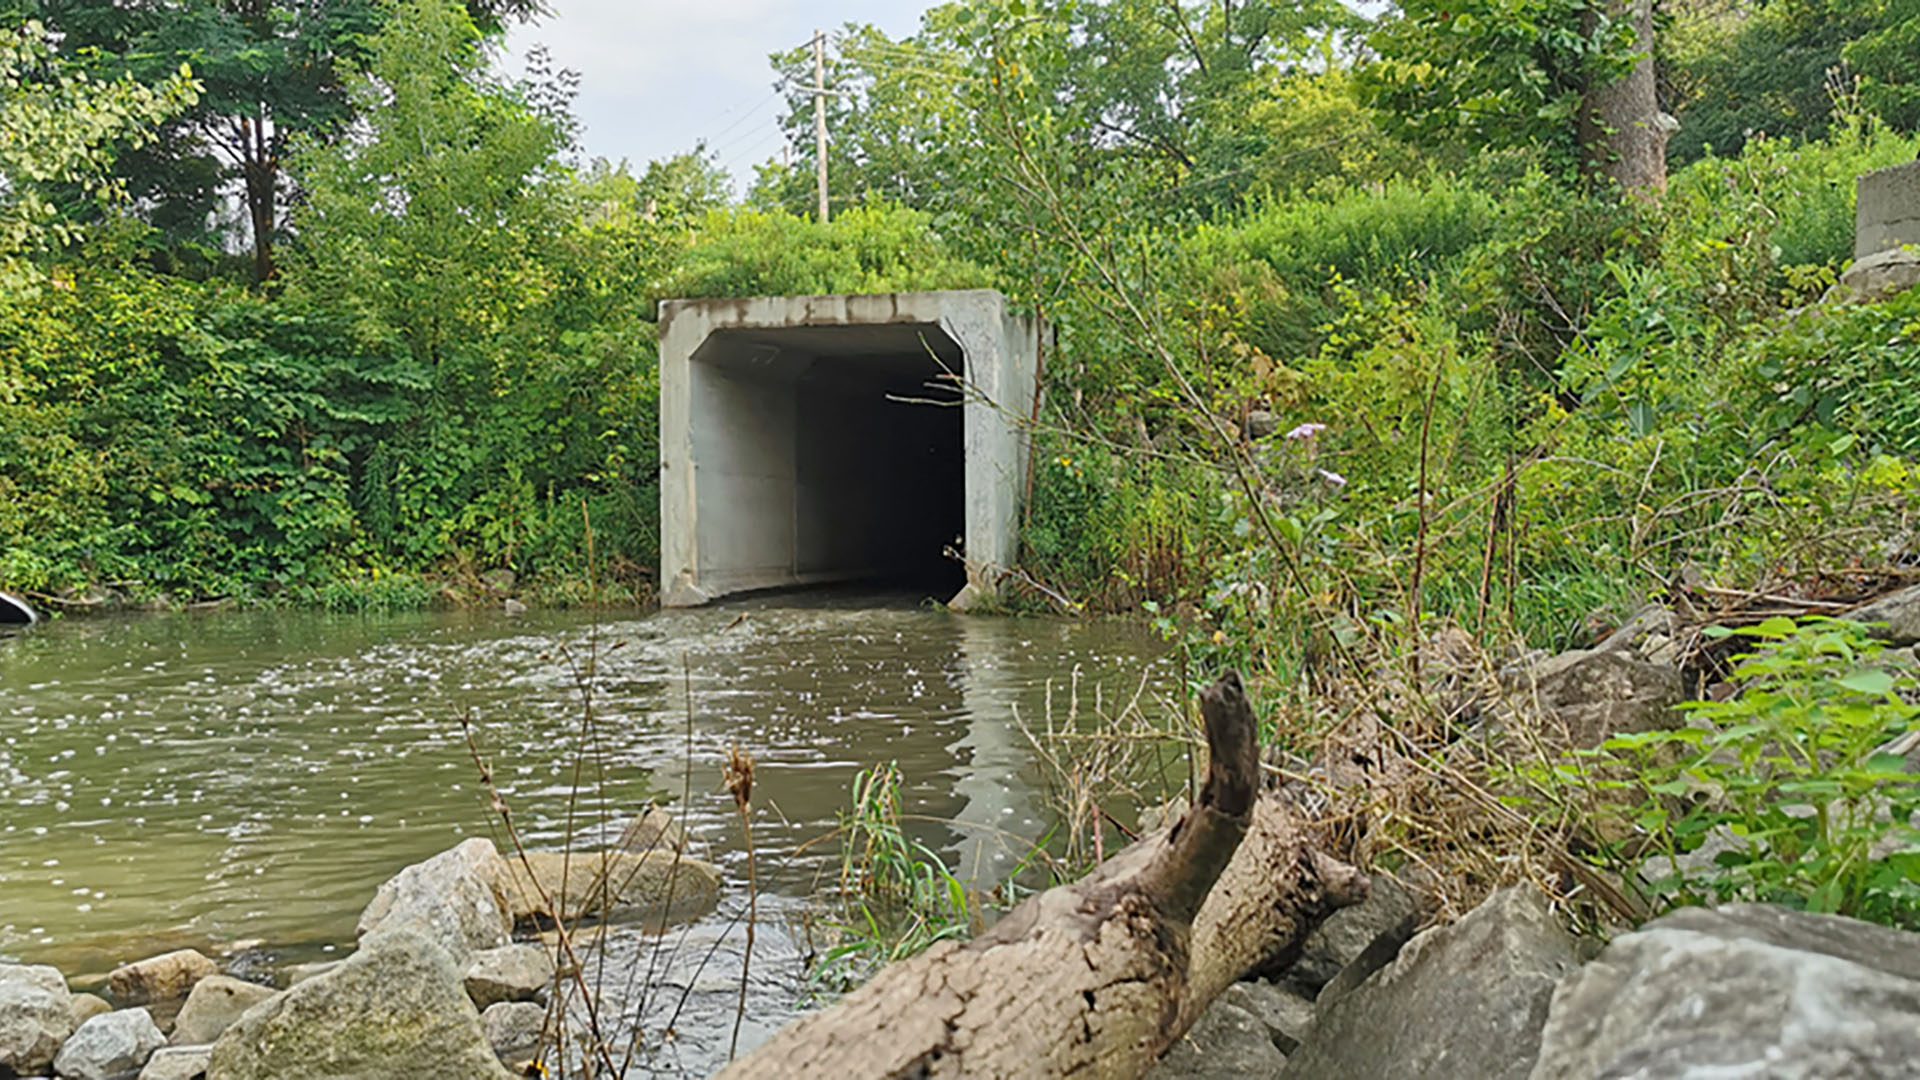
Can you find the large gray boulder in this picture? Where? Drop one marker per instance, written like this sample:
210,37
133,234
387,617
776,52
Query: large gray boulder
216,1002
36,1016
457,899
1745,990
1389,911
110,1046
1227,1043
1466,1000
1900,612
1589,695
395,1008
654,830
656,890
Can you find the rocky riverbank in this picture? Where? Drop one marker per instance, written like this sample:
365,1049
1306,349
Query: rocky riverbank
458,972
1509,990
1503,994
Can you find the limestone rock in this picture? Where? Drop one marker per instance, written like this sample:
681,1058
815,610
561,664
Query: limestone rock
1644,634
1227,1043
216,1002
1900,612
396,1008
658,889
300,973
1880,276
177,1063
458,899
509,973
36,1016
109,1046
653,831
160,979
1389,909
1287,1015
1466,1000
514,1030
1748,989
87,1006
1589,695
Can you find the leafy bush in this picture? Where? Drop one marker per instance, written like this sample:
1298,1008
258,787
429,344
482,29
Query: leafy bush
1854,370
1795,780
874,248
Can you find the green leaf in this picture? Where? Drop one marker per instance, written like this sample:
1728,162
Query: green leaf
1868,681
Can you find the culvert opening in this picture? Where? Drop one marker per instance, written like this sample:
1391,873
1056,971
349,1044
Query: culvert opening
829,454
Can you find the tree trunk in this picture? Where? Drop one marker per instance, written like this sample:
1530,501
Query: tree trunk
1623,133
1096,978
260,175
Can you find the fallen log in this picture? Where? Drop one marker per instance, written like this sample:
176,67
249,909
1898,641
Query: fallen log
1099,977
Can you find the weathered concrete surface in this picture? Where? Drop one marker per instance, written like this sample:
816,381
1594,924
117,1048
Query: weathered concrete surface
1888,214
1745,990
812,439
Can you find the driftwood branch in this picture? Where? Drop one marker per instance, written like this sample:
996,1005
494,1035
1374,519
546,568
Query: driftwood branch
1098,977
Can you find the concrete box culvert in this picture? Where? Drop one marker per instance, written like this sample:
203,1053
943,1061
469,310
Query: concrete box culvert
815,439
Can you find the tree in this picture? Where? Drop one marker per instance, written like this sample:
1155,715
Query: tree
1164,89
424,218
272,74
1888,60
1572,77
59,127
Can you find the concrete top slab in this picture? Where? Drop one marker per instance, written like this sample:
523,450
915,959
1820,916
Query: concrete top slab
847,309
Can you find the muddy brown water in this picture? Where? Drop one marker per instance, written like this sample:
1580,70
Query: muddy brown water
219,780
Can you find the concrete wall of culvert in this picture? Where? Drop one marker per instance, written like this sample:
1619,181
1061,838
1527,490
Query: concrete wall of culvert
815,439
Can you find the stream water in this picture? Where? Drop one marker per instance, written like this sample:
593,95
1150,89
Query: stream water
246,780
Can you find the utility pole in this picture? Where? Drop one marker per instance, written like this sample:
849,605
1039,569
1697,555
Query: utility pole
820,118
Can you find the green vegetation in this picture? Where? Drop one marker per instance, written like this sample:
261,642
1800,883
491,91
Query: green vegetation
1798,789
1360,340
896,897
1537,395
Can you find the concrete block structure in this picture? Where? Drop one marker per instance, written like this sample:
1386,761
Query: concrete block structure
815,439
1886,243
1888,214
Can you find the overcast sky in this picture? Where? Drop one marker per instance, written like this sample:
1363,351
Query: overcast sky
657,77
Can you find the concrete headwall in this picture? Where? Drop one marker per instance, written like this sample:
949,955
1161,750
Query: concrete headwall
823,438
1889,210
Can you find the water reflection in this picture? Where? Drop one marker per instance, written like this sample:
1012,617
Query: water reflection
199,780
